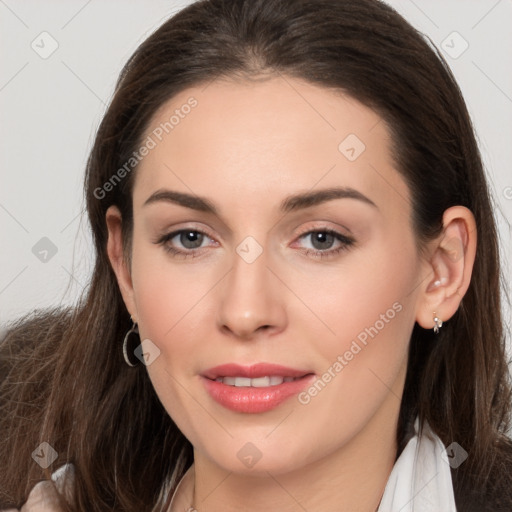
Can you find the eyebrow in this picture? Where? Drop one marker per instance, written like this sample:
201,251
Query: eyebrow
289,204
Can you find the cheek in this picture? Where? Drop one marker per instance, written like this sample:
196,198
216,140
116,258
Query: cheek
369,307
364,292
167,294
172,303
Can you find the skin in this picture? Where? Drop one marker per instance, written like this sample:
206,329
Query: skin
246,147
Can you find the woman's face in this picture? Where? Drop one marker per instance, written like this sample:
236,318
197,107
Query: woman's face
296,249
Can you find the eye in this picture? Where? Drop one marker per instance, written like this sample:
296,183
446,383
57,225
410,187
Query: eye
184,242
190,239
323,240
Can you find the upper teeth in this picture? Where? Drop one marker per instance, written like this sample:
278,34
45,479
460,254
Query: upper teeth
259,382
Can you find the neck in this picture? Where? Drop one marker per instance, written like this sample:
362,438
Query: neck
351,478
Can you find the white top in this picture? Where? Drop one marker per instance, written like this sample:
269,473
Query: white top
419,482
421,479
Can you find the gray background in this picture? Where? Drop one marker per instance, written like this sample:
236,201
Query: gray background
51,106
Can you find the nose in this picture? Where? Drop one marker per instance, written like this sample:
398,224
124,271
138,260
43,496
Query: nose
252,300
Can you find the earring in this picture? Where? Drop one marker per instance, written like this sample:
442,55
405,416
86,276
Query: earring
132,340
438,323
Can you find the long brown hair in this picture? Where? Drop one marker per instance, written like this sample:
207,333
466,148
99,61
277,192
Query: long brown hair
63,377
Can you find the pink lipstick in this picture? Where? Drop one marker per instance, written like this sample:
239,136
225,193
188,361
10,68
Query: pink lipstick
254,389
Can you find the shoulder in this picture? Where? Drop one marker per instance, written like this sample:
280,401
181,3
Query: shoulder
44,496
35,324
37,333
500,479
491,492
29,355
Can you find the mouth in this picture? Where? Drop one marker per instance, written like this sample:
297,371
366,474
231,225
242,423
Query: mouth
254,389
259,382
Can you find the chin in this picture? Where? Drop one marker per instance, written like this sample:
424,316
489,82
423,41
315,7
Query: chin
246,457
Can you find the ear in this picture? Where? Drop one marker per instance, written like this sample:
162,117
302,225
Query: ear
449,269
117,259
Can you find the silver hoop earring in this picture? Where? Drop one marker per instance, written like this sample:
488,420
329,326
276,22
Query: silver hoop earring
130,342
438,323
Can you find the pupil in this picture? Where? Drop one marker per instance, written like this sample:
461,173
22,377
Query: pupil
322,240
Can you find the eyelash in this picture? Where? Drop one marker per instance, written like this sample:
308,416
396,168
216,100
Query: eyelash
346,243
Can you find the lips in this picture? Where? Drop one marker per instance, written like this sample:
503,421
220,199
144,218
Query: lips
253,372
254,389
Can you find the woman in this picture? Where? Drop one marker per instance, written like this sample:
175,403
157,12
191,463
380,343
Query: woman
295,303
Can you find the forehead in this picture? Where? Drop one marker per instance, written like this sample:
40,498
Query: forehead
254,142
